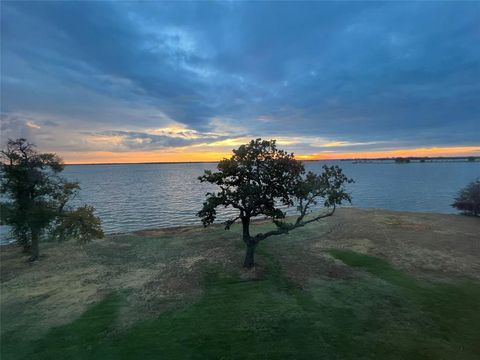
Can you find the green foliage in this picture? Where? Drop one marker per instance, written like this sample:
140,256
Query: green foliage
5,210
252,180
260,179
468,199
80,224
38,196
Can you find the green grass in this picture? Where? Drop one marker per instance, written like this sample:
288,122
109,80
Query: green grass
379,313
447,316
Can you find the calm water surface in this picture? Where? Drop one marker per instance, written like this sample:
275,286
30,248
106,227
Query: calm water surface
140,196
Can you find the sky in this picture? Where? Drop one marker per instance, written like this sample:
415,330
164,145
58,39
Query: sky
103,81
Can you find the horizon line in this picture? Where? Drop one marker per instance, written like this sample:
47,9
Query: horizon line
303,160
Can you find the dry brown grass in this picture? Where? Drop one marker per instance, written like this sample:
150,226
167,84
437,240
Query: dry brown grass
161,269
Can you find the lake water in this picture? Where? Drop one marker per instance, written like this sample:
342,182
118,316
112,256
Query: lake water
139,196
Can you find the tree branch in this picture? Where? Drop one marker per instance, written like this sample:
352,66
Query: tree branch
285,228
230,222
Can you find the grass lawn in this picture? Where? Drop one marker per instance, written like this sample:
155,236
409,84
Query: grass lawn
316,294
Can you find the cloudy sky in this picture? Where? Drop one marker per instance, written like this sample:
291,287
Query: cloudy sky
163,81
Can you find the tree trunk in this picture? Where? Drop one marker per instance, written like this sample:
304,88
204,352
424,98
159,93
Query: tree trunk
35,246
249,257
246,229
247,239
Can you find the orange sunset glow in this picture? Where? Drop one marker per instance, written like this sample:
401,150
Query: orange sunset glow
188,155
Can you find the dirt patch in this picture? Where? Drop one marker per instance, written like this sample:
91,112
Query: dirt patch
442,246
447,245
166,231
257,273
189,262
69,278
301,266
48,298
403,222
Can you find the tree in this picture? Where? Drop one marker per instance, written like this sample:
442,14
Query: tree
260,179
38,198
468,199
400,160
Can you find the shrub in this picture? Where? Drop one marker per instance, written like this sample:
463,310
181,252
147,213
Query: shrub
468,199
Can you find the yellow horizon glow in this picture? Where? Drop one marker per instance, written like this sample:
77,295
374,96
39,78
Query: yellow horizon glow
416,152
186,155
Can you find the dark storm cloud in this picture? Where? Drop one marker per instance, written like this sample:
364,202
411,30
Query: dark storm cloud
407,73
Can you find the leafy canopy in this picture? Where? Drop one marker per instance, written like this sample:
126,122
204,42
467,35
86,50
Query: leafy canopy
260,179
38,196
468,199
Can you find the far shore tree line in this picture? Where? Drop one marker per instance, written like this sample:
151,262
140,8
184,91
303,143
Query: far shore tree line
407,160
257,180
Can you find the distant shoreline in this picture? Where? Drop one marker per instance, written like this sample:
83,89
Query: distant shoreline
178,229
359,160
172,230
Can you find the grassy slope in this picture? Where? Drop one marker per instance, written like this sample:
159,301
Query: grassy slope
373,310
